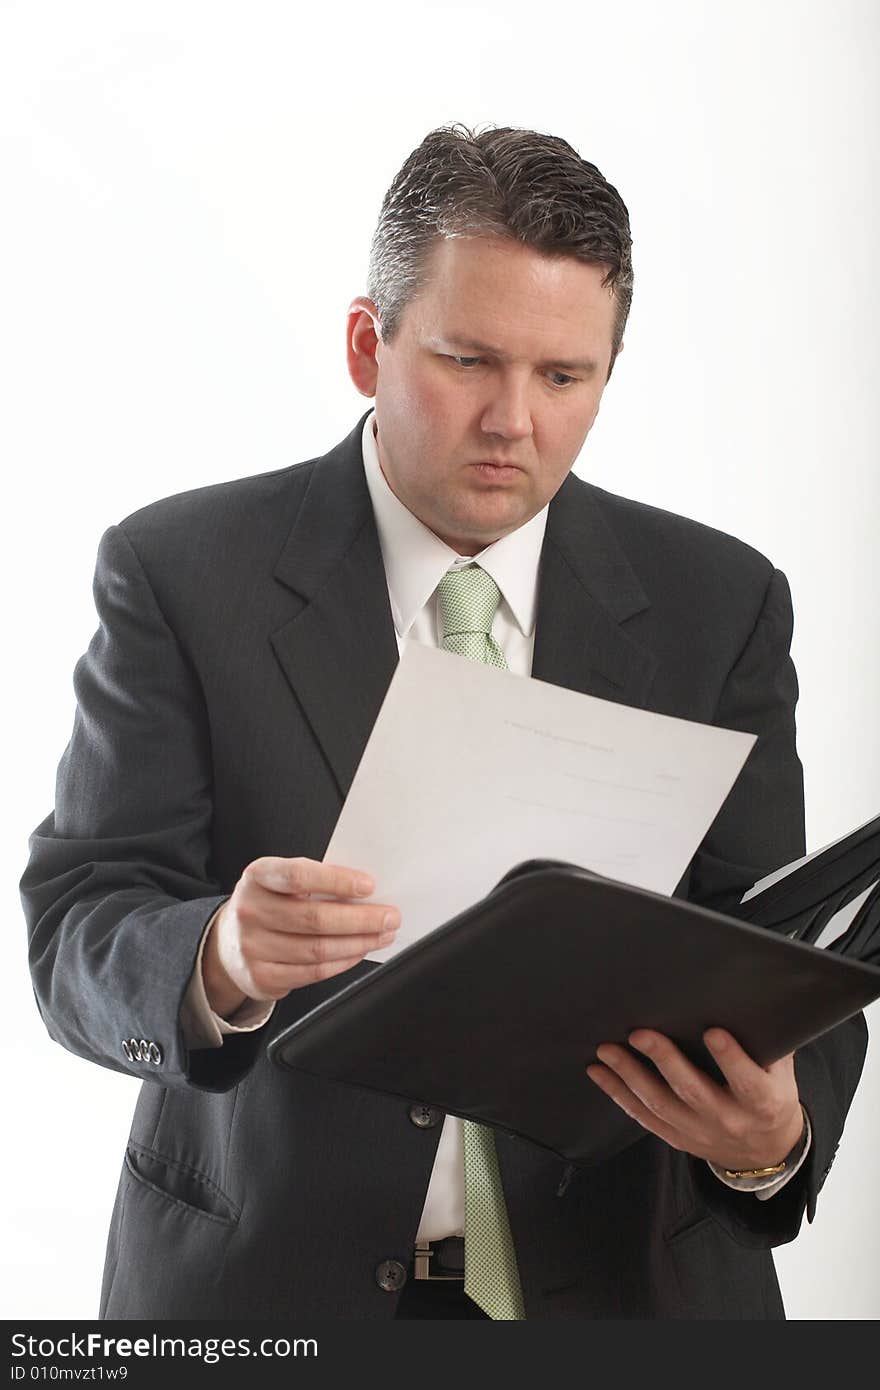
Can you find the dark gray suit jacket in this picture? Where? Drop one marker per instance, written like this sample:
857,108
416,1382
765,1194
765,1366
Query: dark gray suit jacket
244,647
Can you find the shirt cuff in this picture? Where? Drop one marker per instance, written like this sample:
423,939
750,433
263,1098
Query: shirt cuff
202,1027
764,1188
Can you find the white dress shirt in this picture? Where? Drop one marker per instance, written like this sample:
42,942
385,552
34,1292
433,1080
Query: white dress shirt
415,561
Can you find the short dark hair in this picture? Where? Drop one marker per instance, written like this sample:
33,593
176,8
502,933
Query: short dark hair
500,181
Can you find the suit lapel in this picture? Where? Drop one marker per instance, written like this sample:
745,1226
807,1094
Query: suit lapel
339,652
587,590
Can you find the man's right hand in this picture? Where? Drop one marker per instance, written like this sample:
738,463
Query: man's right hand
272,936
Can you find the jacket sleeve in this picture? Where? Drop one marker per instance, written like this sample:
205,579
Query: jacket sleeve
759,828
119,884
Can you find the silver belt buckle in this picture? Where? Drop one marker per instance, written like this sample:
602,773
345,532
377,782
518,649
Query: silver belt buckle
422,1263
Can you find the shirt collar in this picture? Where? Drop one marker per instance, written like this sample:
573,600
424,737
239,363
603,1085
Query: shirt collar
416,560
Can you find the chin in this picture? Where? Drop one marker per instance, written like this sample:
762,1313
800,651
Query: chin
469,541
479,526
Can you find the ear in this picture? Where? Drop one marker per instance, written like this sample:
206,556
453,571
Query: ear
362,340
613,360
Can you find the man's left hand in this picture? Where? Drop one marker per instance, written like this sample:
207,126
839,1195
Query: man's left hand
752,1122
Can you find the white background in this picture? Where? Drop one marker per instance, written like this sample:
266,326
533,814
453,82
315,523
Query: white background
188,193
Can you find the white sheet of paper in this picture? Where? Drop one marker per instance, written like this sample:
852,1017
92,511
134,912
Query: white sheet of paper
470,770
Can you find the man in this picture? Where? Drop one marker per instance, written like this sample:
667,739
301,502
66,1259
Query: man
179,909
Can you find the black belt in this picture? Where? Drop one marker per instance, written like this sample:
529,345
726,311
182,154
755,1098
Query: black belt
439,1259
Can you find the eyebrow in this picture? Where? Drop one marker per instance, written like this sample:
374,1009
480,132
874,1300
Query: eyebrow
585,364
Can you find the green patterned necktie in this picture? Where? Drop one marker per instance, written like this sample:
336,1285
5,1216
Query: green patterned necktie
468,598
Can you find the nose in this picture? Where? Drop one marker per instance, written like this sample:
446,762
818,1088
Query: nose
508,411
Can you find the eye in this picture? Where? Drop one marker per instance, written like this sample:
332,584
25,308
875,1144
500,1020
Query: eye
566,379
465,362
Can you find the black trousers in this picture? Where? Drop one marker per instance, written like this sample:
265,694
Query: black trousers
437,1298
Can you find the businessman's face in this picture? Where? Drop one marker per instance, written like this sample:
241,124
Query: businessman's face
488,390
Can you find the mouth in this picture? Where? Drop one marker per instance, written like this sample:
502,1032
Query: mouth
496,472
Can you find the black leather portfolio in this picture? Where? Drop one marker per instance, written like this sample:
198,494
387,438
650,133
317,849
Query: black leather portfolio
495,1015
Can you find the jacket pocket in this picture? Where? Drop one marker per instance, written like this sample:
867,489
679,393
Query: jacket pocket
714,1277
687,1224
180,1184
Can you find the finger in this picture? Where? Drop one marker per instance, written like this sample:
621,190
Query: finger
692,1086
282,948
782,1067
755,1087
274,981
320,917
614,1087
649,1089
308,876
